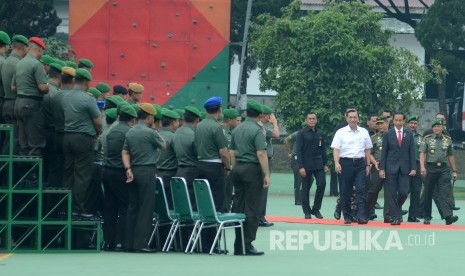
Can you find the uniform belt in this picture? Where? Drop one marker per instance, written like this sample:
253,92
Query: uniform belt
170,170
353,159
10,99
212,160
36,98
437,164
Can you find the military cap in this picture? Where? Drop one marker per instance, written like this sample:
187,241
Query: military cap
230,113
381,119
84,62
47,60
159,111
111,113
180,112
135,87
71,64
65,70
148,108
213,102
5,38
203,115
170,114
136,107
128,110
103,87
94,92
437,122
37,41
119,89
267,109
412,118
113,101
192,110
56,66
254,105
21,39
62,63
243,117
83,74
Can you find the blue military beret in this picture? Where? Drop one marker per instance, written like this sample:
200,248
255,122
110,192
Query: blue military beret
213,102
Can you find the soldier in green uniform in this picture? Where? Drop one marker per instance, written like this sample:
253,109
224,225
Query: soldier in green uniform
71,64
250,175
167,165
272,131
5,42
30,84
46,60
415,182
139,160
377,183
289,143
51,165
86,64
19,45
104,89
82,125
135,93
230,122
114,177
184,147
436,161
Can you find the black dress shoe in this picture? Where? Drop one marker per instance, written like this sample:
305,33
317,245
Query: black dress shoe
413,219
362,221
337,214
347,221
372,217
427,221
387,220
395,222
308,216
451,219
317,214
249,252
264,223
456,208
377,206
297,203
404,212
145,250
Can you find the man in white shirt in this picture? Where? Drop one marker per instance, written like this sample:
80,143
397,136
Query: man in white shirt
351,152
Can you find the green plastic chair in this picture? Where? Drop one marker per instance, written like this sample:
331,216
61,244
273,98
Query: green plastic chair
209,217
162,214
183,211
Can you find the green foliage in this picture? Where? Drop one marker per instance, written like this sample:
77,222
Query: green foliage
57,48
334,59
28,17
441,32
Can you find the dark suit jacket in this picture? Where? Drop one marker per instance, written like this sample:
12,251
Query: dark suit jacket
395,159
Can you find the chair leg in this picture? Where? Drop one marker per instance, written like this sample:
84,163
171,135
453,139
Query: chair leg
172,236
197,236
224,241
192,237
155,228
215,241
242,236
168,238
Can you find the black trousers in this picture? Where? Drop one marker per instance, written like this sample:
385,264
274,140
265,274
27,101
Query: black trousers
437,179
96,201
376,184
353,174
49,154
141,204
307,181
189,174
79,157
10,118
248,185
116,205
415,191
297,181
228,194
264,200
29,114
398,185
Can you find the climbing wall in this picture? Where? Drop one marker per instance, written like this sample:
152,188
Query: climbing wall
177,49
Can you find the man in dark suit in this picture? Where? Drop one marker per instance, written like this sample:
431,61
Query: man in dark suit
397,165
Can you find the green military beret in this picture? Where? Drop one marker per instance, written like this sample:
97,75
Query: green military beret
267,109
94,92
111,113
195,111
136,107
103,87
230,113
243,117
381,119
5,38
203,115
437,122
21,39
412,118
82,73
47,60
85,63
71,64
170,114
56,66
159,111
254,105
118,104
62,63
129,109
180,112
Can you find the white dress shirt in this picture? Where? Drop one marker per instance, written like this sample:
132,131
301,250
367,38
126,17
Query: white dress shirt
352,143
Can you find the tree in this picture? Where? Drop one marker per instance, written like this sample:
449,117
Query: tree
331,60
28,17
441,32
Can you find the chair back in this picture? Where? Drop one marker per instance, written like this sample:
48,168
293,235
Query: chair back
161,202
181,201
204,199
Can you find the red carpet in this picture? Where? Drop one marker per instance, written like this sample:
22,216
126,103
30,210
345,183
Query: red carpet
377,224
